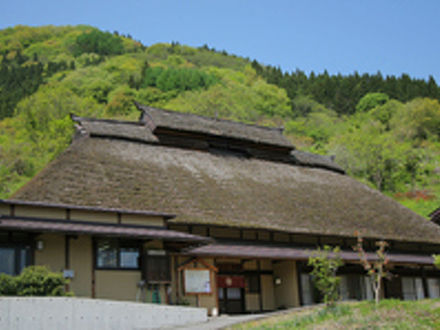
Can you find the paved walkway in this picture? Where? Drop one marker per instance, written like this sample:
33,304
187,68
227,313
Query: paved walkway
223,321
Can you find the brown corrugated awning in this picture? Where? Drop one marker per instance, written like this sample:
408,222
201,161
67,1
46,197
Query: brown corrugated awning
97,229
277,252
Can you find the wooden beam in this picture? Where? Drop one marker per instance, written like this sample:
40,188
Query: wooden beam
260,295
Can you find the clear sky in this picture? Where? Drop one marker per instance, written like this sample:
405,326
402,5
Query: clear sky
393,36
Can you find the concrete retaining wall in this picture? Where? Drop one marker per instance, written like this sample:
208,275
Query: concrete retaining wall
77,313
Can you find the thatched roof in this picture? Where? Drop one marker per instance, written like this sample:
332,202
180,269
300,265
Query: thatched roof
190,123
213,188
142,132
314,160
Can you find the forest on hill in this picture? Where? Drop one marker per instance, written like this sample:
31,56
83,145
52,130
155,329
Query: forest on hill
385,131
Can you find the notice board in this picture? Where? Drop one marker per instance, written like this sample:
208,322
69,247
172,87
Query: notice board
197,281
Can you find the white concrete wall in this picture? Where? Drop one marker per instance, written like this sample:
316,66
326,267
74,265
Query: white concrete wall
37,313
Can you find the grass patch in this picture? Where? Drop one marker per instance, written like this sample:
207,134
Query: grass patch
389,314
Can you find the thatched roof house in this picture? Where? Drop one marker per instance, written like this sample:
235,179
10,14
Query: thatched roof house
218,172
233,207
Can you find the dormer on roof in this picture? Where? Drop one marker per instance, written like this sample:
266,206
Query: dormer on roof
184,129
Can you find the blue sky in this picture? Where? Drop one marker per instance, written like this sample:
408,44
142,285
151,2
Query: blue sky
393,36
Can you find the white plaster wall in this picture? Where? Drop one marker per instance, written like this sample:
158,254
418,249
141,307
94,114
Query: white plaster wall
38,313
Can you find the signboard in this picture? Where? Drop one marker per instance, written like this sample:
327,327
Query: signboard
197,281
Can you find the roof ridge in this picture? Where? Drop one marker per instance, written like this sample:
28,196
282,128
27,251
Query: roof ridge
142,106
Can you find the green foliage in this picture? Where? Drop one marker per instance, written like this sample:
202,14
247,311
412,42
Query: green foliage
383,113
325,263
18,80
34,281
240,96
181,79
98,42
155,97
343,93
371,100
437,261
121,102
320,124
201,57
419,119
8,285
40,130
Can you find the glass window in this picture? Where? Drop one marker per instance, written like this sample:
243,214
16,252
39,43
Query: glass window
367,288
434,287
233,293
129,257
13,259
412,288
111,253
107,254
307,289
7,261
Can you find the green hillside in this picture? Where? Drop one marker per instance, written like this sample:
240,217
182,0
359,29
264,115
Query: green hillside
383,130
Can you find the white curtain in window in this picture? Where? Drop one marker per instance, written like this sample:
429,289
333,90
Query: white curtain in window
434,287
367,288
408,288
307,289
343,288
412,288
419,288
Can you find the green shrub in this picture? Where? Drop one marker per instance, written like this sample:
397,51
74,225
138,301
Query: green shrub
34,281
8,285
325,263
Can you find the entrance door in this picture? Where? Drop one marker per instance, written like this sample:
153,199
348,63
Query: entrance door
231,294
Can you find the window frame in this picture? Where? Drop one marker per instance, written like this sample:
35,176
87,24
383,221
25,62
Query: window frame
18,248
118,245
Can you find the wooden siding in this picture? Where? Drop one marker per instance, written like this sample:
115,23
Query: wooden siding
117,284
52,254
39,212
142,220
